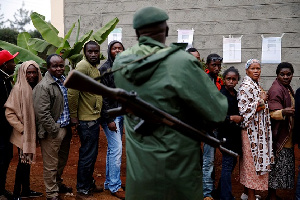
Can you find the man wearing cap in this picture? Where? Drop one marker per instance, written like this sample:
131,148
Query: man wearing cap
163,163
7,67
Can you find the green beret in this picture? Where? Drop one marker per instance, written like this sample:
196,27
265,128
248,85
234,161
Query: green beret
148,15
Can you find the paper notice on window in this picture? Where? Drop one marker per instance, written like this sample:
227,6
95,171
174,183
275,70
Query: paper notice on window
116,34
271,50
232,50
186,36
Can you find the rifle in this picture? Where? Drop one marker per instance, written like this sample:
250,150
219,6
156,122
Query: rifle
151,117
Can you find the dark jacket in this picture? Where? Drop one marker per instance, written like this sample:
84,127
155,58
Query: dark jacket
229,129
108,80
6,129
48,104
279,98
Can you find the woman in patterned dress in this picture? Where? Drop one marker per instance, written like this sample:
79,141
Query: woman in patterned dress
256,131
282,109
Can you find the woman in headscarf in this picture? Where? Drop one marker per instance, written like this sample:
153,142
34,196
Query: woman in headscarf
256,131
282,109
20,114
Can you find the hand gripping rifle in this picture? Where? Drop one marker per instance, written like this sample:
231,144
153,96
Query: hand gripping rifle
132,104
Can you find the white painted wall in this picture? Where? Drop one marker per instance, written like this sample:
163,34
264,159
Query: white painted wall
57,16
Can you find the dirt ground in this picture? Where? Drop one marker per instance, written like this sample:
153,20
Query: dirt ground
70,172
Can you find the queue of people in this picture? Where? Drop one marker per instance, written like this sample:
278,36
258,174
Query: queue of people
161,163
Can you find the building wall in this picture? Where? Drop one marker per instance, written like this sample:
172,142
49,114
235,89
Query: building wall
57,16
211,20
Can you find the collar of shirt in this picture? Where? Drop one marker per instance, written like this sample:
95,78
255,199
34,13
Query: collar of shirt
59,80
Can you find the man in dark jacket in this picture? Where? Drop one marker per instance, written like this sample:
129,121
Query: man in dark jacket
7,67
53,119
113,128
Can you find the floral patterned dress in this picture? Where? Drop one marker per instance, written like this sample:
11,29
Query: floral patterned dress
256,137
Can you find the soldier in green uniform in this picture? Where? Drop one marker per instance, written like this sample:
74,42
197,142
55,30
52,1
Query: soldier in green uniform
165,164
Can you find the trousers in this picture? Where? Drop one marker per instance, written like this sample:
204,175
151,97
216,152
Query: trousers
51,148
114,155
88,132
22,179
208,168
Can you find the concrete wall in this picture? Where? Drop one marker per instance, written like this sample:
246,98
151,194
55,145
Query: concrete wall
211,20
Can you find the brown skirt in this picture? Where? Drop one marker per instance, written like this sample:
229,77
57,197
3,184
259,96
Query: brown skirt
248,175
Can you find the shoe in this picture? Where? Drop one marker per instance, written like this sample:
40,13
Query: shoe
258,197
123,186
82,196
119,194
17,198
54,198
65,189
96,189
2,197
245,197
31,194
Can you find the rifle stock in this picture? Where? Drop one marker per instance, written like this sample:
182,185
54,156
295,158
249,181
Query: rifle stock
149,114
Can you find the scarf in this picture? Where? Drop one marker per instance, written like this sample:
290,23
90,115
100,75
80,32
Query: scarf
20,112
217,79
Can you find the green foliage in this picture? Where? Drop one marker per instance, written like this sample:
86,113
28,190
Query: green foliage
203,64
35,34
38,48
9,35
24,54
23,41
101,35
47,30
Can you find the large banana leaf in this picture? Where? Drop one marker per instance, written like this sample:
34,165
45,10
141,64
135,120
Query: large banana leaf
47,30
23,41
24,54
78,29
38,44
67,36
65,43
76,49
52,49
101,35
76,58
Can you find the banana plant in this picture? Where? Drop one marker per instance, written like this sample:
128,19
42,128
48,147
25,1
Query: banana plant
62,46
33,48
24,54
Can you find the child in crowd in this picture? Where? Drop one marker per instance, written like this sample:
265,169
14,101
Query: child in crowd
231,131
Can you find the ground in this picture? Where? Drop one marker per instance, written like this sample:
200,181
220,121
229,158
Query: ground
70,172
